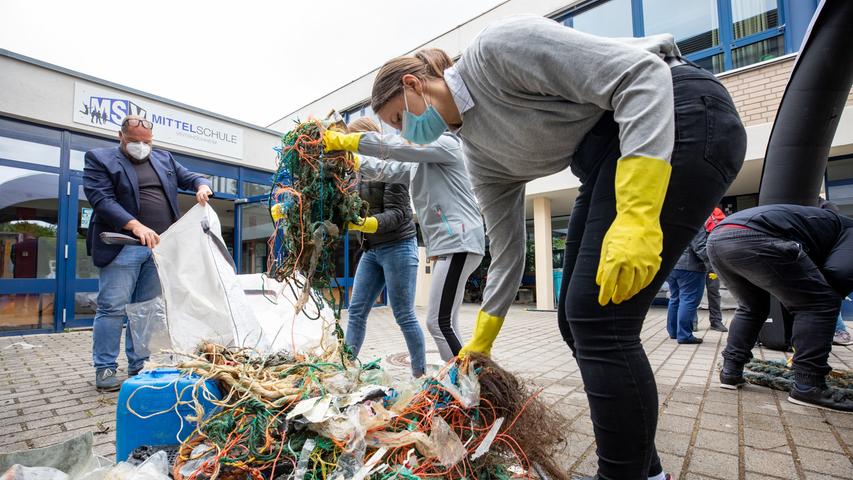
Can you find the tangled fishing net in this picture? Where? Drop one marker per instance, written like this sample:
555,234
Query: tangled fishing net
777,375
324,414
314,196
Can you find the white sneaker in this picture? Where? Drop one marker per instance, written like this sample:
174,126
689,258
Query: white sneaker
842,338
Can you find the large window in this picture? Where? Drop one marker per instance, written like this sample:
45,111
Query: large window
839,184
719,35
753,16
30,152
694,24
256,229
29,218
366,111
608,19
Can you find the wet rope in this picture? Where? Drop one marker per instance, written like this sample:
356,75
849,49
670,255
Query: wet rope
777,375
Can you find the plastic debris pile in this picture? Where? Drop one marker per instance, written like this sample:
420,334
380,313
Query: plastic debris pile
777,375
301,418
313,197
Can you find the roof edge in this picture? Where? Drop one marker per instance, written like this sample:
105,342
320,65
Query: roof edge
117,86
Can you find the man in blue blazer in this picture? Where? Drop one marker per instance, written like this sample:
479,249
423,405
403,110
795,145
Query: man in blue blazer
133,190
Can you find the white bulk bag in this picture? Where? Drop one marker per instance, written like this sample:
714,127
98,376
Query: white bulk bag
204,300
273,302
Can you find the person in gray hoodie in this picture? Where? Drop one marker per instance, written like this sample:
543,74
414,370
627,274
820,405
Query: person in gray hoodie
655,141
446,207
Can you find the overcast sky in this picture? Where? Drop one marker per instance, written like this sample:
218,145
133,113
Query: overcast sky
252,60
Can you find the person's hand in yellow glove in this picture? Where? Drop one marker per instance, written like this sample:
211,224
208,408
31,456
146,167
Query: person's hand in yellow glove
277,212
713,276
365,225
630,251
485,332
333,140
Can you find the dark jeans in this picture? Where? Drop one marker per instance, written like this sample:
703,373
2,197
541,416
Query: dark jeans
685,293
715,309
755,265
709,148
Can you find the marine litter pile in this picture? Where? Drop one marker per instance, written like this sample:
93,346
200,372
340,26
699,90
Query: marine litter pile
325,414
318,418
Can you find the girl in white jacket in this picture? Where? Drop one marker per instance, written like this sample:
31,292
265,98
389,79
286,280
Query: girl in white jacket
446,208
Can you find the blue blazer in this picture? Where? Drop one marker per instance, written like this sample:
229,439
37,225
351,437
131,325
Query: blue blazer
112,188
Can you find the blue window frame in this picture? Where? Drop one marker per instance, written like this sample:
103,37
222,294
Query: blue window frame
719,35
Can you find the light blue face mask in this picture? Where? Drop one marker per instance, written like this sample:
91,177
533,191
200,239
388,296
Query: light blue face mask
424,128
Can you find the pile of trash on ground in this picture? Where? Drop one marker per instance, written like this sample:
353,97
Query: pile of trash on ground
330,417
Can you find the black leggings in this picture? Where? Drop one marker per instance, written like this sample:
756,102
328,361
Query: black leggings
710,143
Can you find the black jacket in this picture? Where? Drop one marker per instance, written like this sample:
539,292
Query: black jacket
695,257
392,207
825,236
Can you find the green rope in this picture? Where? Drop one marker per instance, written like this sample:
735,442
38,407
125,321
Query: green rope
314,192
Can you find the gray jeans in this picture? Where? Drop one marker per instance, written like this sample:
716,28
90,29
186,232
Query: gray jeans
715,312
755,265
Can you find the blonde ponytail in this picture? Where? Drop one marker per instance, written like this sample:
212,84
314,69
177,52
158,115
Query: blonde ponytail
363,124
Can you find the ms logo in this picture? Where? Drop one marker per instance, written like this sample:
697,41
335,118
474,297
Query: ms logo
103,110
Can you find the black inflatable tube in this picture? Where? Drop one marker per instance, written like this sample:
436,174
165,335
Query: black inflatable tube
810,110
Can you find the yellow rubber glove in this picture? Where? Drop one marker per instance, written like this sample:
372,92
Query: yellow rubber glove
712,276
630,251
276,212
366,225
485,332
333,140
356,161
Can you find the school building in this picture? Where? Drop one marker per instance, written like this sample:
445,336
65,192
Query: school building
750,44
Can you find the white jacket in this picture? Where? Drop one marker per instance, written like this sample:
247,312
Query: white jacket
438,182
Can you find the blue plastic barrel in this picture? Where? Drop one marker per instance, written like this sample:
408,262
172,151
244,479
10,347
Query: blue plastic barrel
149,411
558,280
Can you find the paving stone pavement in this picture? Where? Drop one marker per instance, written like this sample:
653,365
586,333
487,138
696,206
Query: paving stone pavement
47,394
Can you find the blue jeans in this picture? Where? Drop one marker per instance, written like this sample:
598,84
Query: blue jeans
131,277
839,324
396,265
685,289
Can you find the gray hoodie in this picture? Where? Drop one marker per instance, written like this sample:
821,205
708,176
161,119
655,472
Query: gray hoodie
439,184
532,89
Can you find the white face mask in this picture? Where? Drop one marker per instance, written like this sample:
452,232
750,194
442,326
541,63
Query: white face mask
138,150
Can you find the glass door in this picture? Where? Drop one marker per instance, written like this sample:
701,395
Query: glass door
81,275
256,227
29,229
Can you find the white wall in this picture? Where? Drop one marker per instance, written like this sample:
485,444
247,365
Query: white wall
41,95
453,42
